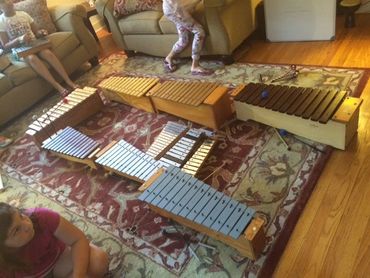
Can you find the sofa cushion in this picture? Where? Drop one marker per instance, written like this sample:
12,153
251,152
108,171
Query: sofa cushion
5,84
4,62
126,7
141,23
19,72
38,10
168,27
63,43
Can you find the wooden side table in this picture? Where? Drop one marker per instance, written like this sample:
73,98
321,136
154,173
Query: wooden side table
90,11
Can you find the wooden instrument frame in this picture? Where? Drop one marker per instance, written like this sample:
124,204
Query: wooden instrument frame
142,102
249,244
89,161
337,132
213,112
72,117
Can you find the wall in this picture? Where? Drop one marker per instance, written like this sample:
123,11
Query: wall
365,7
96,21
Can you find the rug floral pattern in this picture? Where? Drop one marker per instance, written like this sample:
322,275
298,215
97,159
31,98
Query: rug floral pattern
249,163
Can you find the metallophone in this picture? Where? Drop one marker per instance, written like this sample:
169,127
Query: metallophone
72,145
325,116
125,160
73,109
183,147
205,103
175,145
129,90
179,196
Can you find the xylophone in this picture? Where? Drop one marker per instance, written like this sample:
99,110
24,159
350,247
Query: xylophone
325,116
129,90
187,200
205,103
182,147
73,109
126,160
70,144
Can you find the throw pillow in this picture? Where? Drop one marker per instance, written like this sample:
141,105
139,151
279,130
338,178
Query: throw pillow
38,10
126,7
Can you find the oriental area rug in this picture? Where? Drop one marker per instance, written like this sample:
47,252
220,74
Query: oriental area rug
249,163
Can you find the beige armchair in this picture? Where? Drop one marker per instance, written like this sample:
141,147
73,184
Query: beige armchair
227,23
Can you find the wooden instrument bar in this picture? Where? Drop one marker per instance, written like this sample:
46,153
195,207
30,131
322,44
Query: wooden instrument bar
187,200
205,103
196,161
192,93
73,109
125,160
328,117
72,145
129,90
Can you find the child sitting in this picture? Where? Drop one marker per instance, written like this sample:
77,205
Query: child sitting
17,28
39,242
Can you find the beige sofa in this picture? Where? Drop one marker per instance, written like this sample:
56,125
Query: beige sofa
21,87
227,23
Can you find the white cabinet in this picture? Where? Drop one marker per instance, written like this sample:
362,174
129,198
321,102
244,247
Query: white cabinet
300,20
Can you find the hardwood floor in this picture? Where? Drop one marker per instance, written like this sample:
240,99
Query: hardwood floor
332,236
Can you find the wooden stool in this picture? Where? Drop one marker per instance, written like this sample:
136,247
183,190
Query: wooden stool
349,7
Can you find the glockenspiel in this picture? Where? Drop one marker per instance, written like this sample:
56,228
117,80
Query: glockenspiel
73,109
182,147
325,116
34,46
189,201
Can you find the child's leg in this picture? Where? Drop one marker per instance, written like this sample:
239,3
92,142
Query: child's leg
53,60
98,263
187,22
42,70
184,37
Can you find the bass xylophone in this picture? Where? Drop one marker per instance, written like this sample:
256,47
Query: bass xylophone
129,90
325,116
206,103
73,109
190,202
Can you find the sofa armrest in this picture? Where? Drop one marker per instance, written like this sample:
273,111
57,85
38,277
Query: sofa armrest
71,18
229,22
105,10
216,3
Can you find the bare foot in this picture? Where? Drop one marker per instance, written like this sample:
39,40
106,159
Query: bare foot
201,71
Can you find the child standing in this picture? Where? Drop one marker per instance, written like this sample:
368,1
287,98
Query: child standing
179,13
16,28
39,242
